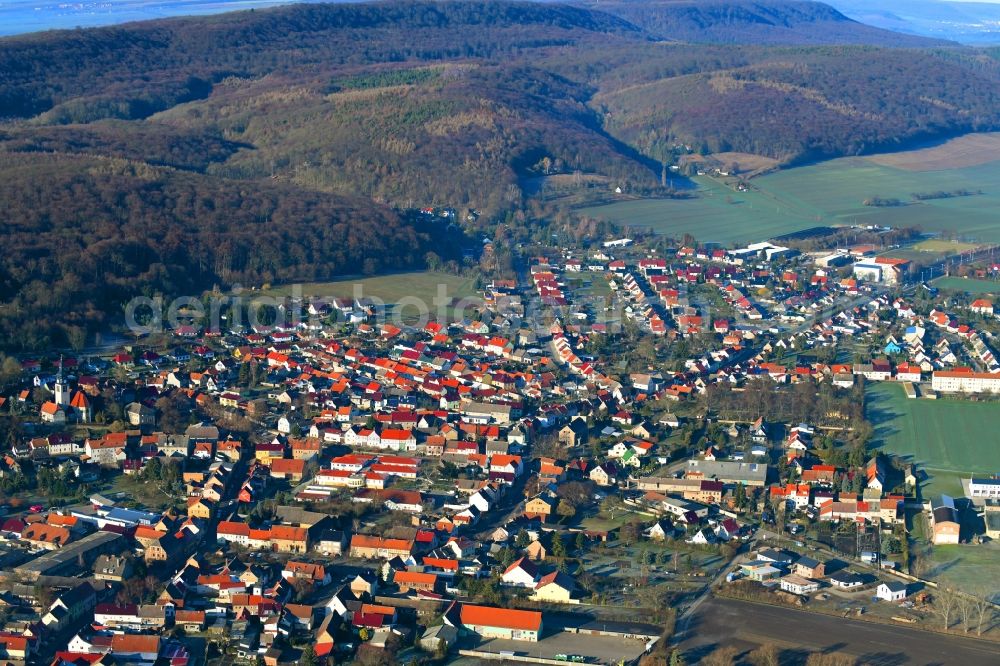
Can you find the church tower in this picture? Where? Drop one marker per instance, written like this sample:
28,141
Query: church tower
62,391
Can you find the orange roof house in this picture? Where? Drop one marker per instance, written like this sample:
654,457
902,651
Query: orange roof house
415,580
288,468
492,622
46,536
135,644
365,546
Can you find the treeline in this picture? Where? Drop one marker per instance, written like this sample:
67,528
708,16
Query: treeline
891,202
941,194
883,202
83,235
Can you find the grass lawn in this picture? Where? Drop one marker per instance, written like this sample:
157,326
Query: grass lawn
587,286
147,494
968,285
967,565
948,439
601,521
828,193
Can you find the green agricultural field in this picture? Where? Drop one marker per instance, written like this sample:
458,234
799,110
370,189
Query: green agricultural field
967,285
424,286
390,288
948,439
828,193
718,214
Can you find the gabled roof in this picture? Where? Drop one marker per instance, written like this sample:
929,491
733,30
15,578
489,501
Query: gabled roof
525,565
489,616
135,643
556,578
414,577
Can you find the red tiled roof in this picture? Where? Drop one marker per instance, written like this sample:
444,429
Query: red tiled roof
131,643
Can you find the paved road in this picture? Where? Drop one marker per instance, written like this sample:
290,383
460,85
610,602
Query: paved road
746,625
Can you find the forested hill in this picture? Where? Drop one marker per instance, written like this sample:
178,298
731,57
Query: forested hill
789,22
154,64
82,235
314,122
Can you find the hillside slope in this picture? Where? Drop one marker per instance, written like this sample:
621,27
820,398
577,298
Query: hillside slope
790,22
82,235
800,104
272,145
455,103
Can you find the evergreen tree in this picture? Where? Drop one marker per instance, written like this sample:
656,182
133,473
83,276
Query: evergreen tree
740,496
558,549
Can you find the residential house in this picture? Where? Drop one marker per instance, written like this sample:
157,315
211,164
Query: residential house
492,622
372,547
555,587
112,568
892,590
140,415
797,584
574,433
70,607
415,581
845,580
540,507
522,573
605,474
809,568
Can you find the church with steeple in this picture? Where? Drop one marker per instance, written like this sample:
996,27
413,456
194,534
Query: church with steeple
66,405
61,389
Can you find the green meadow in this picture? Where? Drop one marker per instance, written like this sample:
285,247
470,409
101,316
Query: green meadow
397,291
828,193
948,438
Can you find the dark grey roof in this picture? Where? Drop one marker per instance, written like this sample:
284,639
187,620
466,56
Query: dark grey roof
807,562
845,576
944,514
775,555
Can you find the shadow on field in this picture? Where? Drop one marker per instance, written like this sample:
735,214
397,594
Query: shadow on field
882,420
